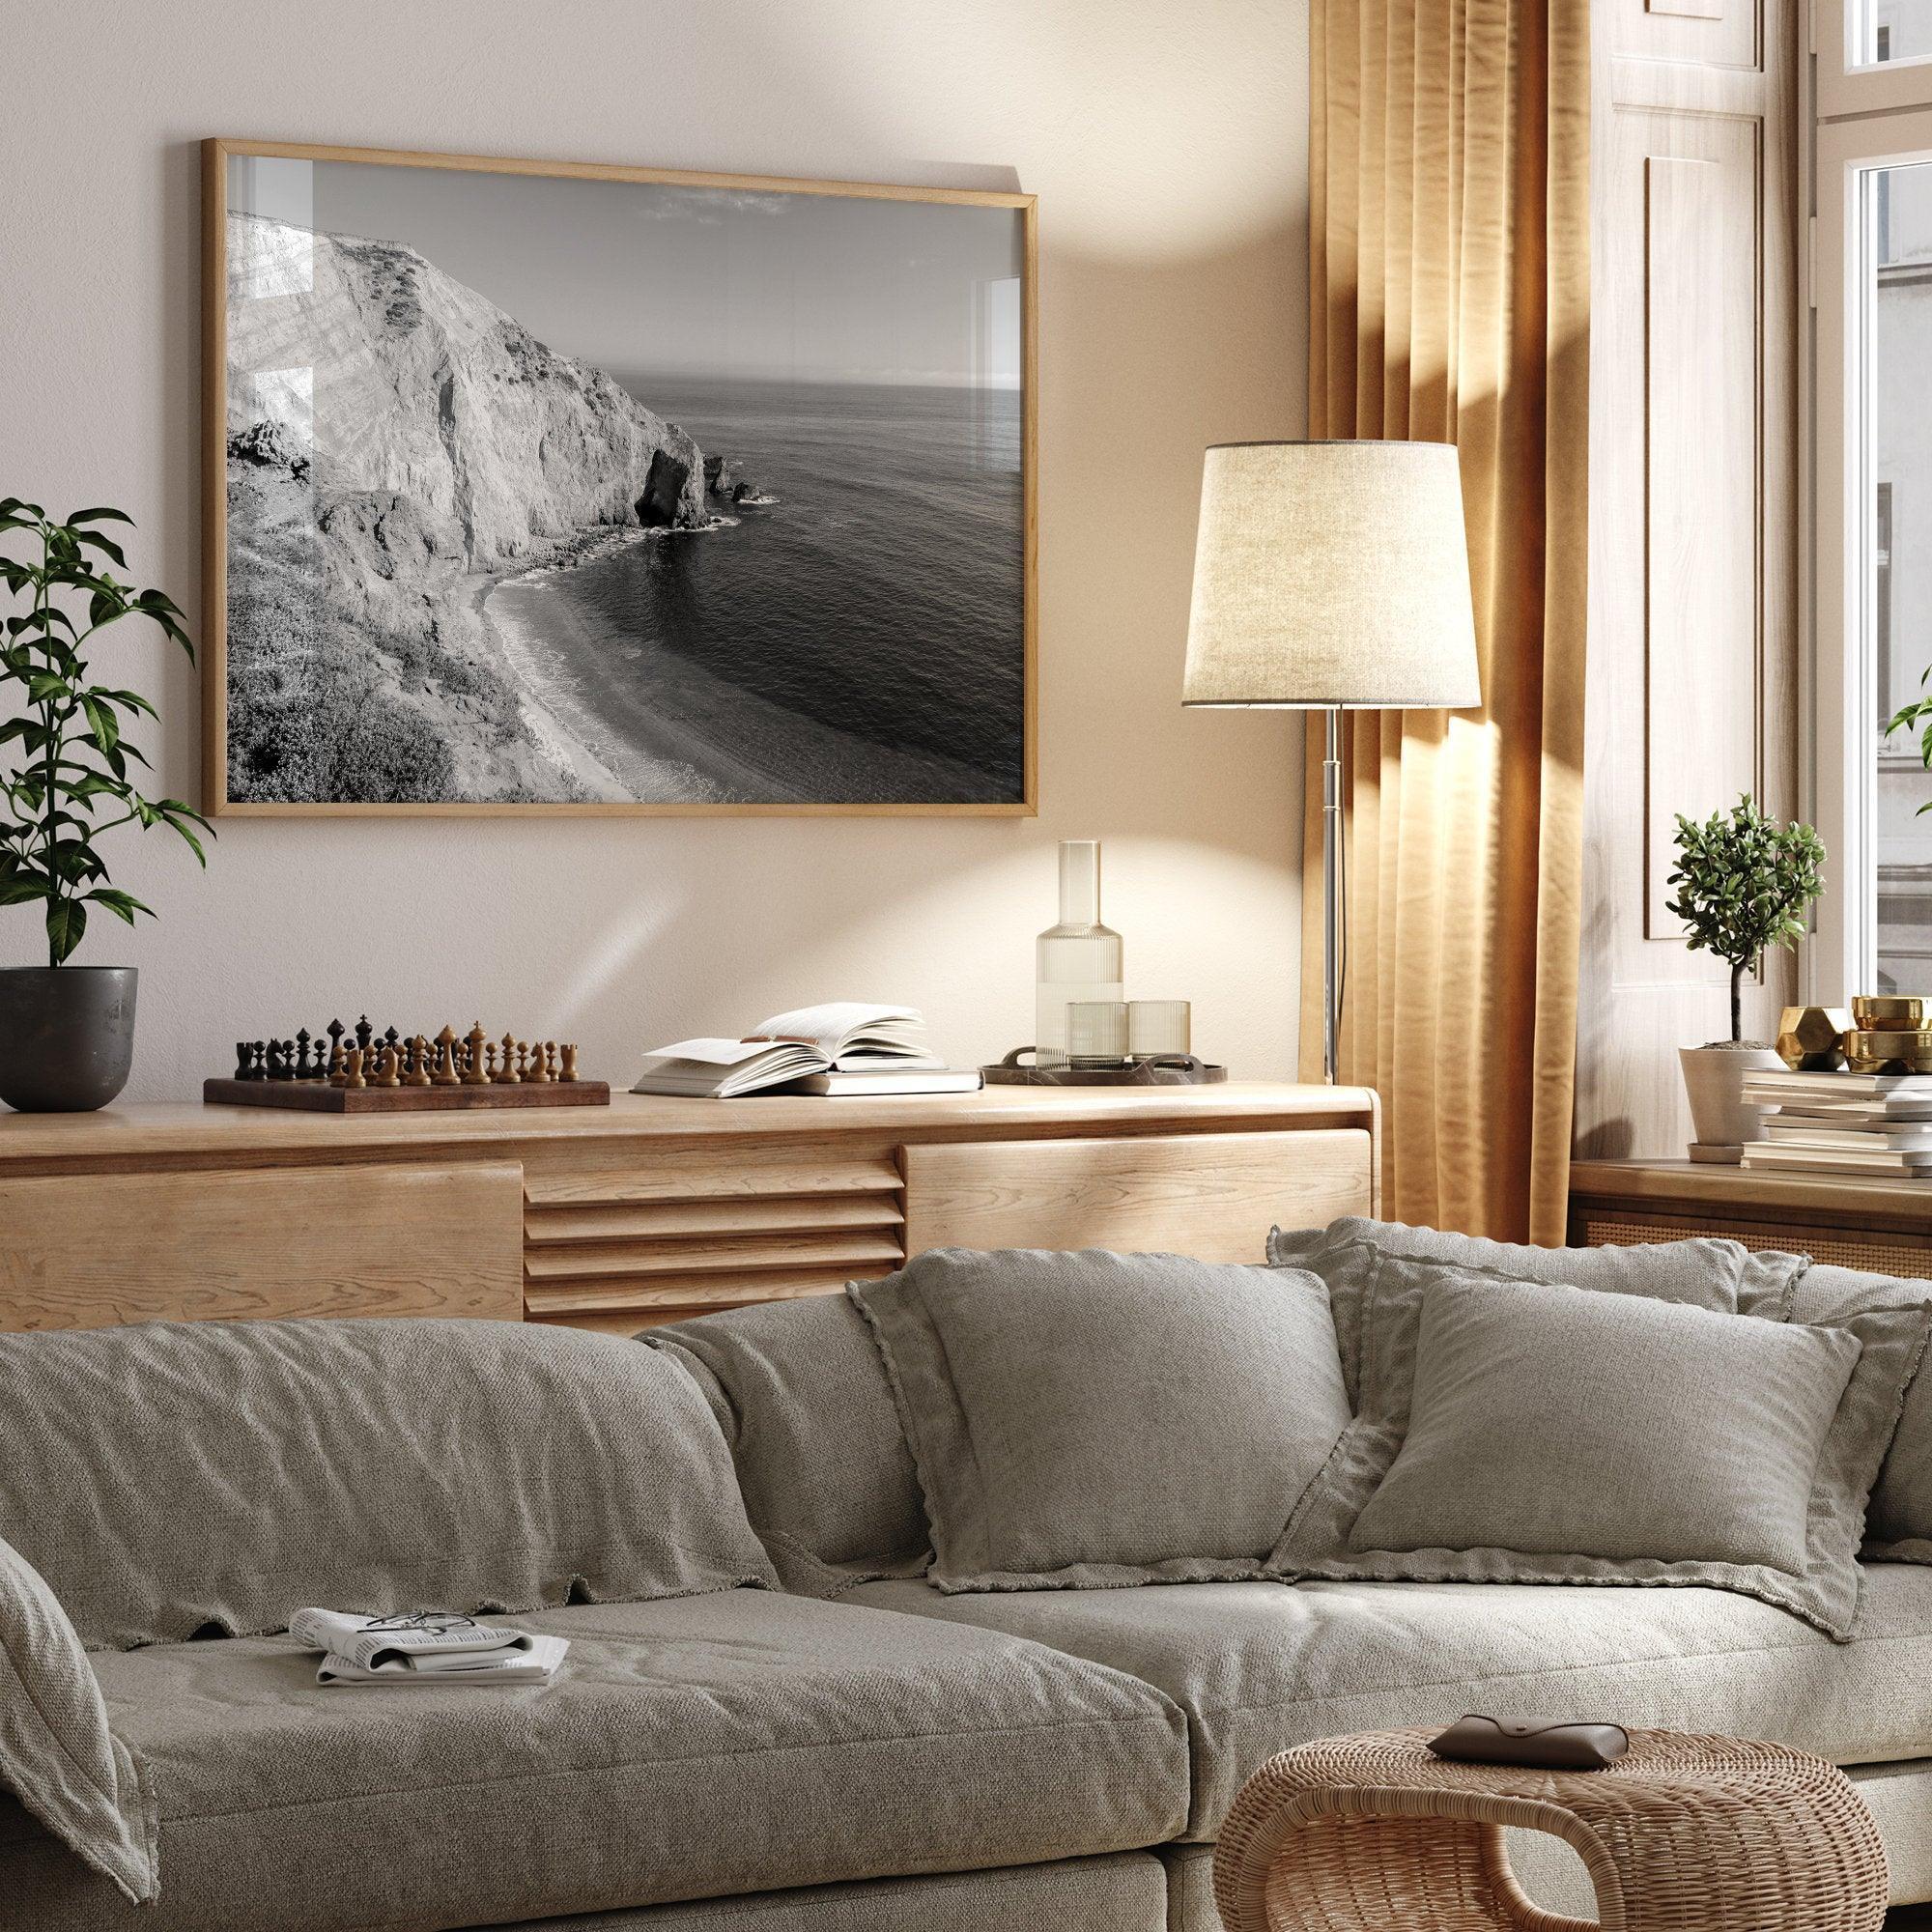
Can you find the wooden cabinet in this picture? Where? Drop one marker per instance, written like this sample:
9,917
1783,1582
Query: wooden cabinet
1883,1225
650,1211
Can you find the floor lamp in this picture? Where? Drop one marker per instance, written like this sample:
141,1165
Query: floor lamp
1332,576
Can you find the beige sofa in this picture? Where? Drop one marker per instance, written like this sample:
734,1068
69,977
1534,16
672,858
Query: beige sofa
855,1751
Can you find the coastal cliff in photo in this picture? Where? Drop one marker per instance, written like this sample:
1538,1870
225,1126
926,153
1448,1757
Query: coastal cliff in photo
367,521
545,510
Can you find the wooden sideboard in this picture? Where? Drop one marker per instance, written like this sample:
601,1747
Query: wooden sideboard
649,1210
1884,1226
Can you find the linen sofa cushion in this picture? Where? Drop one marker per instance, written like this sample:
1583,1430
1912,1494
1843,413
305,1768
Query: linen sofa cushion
170,1477
690,1748
828,1480
1554,1420
1898,1523
1261,1667
1092,1420
1723,1276
57,1754
1599,1385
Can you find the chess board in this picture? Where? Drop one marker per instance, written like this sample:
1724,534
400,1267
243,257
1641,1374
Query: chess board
314,1097
358,1070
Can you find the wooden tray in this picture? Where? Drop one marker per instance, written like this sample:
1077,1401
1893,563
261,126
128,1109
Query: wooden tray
318,1096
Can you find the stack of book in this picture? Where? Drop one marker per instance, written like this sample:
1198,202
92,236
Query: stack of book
1878,1124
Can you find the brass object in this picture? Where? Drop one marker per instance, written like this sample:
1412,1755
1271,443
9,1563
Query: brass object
1873,1051
1894,1012
1810,1039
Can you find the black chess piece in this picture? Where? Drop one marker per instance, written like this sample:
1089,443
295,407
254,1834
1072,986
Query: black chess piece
279,1067
304,1071
364,1033
244,1060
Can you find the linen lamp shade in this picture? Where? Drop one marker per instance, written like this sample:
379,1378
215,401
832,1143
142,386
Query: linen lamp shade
1332,575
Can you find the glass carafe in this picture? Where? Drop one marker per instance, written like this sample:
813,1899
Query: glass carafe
1077,959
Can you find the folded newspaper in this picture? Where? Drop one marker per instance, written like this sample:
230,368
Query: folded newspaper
424,1650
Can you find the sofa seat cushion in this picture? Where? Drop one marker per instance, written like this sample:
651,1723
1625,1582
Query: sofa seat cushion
691,1747
1260,1667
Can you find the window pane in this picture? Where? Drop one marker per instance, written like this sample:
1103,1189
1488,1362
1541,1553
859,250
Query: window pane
1899,600
1896,30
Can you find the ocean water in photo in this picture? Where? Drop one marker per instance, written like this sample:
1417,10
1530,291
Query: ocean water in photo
860,636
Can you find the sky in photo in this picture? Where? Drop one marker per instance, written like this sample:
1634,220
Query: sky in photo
639,278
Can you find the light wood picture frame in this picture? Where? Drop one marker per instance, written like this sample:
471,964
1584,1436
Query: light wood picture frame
539,488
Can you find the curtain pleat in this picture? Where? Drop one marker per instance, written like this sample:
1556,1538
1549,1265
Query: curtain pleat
1449,292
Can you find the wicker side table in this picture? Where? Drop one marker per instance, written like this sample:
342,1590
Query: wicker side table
1685,1833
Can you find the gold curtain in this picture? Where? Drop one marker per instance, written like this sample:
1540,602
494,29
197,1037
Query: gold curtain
1450,177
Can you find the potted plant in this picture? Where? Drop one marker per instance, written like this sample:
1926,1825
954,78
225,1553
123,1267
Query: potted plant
1742,883
67,1033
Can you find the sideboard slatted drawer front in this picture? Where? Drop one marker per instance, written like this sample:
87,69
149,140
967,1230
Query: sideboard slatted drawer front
661,1240
1903,1257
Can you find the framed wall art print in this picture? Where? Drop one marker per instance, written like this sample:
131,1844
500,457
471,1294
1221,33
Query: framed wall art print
538,488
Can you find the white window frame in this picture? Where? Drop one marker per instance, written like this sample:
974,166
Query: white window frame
1847,87
1864,118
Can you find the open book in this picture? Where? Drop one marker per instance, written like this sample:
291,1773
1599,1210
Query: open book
816,1044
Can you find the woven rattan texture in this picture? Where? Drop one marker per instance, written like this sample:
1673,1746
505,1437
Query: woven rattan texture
1685,1833
1821,1244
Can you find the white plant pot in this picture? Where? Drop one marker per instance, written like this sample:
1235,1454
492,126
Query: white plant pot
1714,1079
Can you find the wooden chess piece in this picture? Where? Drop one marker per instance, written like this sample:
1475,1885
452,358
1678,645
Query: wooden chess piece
446,1074
388,1063
335,1029
338,1066
490,1062
351,1069
304,1066
279,1067
418,1073
539,1073
569,1068
474,1074
550,1059
508,1076
364,1033
244,1060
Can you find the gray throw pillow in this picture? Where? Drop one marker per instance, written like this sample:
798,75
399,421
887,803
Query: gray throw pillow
828,1480
1898,1523
57,1755
1091,1421
171,1477
1512,1431
1705,1272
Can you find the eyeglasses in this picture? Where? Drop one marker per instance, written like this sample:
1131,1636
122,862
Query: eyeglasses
422,1620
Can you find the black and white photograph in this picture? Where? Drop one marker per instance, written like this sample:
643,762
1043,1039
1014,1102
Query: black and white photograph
608,491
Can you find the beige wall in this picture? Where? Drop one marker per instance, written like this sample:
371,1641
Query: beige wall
1168,147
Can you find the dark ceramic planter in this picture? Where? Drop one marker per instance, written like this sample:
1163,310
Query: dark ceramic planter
67,1037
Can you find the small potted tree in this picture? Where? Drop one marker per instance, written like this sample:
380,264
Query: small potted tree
67,1033
1742,883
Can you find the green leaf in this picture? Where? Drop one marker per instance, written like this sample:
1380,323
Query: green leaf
66,922
127,701
194,844
41,684
124,905
106,545
101,515
105,732
20,886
